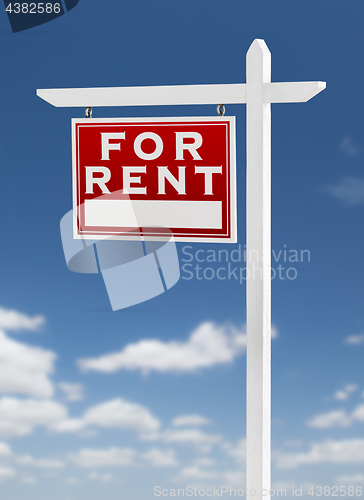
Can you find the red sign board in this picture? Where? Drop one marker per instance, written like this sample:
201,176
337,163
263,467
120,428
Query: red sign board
147,174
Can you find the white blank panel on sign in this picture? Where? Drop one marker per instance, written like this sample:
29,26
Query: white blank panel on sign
137,213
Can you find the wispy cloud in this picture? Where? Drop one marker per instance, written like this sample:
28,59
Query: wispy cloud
208,345
117,413
45,463
234,478
344,394
195,437
350,147
337,418
111,457
25,369
195,472
122,457
72,392
73,480
19,417
190,420
5,450
347,451
160,458
104,478
354,339
349,190
7,473
358,413
26,479
349,480
237,451
17,321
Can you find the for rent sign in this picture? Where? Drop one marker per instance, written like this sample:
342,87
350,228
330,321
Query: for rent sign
146,174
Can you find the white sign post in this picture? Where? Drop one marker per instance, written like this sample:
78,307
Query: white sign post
258,93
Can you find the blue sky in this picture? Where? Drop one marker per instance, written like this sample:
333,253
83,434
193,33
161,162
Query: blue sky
70,433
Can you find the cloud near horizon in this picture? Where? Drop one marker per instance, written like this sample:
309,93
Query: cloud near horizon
25,369
347,451
19,417
207,346
337,418
117,414
122,457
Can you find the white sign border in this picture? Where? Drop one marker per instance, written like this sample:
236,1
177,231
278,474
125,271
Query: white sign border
182,239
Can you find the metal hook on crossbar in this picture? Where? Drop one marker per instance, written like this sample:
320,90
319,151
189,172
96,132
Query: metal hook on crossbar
220,109
88,112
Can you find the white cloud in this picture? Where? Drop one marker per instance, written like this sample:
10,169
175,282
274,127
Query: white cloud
349,480
235,479
121,457
72,392
195,472
204,442
288,486
117,413
349,147
349,190
190,420
19,417
5,450
207,346
122,414
348,451
112,457
351,388
336,418
204,462
68,425
344,394
28,480
6,473
104,478
25,369
43,463
354,339
238,451
295,443
73,480
17,321
358,413
160,458
88,433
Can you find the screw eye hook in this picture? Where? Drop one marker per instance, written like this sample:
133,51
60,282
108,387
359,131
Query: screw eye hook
220,109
